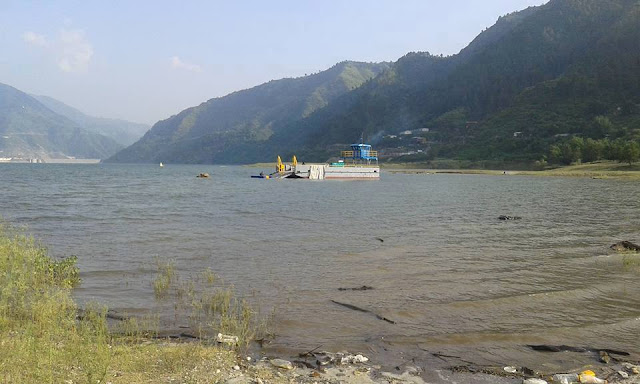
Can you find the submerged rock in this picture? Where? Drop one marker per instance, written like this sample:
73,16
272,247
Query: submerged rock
363,288
503,217
625,246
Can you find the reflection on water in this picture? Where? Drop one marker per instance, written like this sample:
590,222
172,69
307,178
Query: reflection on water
453,277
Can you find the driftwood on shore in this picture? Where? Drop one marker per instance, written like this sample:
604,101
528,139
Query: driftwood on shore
353,307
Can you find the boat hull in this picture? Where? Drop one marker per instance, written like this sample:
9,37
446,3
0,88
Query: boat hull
352,173
330,172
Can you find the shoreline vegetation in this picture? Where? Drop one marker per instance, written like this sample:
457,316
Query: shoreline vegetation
46,338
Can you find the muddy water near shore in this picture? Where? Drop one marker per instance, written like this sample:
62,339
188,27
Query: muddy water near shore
455,280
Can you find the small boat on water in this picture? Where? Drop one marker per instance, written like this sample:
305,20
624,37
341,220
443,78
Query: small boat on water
161,165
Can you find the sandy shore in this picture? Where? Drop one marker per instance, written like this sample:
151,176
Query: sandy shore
597,170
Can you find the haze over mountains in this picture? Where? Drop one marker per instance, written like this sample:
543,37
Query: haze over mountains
546,72
31,129
122,131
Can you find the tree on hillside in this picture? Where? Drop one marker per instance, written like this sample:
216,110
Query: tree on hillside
611,149
602,126
567,152
592,150
630,153
555,153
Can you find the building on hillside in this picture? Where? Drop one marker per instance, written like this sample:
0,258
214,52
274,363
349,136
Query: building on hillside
419,139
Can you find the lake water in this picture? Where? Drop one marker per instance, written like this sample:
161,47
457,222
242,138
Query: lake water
453,278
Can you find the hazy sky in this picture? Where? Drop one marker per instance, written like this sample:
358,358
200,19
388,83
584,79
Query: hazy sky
147,60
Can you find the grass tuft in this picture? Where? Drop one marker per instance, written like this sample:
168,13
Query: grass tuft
165,277
44,338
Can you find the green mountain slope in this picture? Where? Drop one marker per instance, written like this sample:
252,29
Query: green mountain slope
122,131
28,129
545,71
240,127
536,78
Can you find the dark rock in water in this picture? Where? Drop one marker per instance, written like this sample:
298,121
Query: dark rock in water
363,288
625,246
509,217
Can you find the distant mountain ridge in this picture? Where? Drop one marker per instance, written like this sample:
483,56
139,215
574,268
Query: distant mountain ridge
28,129
122,131
566,68
239,127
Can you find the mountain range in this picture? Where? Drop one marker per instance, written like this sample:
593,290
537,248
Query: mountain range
49,129
538,76
122,131
537,81
241,127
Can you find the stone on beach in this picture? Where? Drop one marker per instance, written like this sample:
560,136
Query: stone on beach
534,381
351,359
281,363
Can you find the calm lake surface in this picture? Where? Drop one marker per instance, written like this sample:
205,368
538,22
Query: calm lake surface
456,280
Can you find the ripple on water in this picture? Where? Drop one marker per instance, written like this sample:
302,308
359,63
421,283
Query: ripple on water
453,277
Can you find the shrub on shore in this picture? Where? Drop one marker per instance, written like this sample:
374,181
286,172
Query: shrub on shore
40,338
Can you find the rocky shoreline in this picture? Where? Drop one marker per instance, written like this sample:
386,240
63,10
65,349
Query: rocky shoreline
326,367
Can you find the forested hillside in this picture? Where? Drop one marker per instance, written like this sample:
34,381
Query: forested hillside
552,72
538,83
240,127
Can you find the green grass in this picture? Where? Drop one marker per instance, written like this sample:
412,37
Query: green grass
40,339
43,340
214,307
164,278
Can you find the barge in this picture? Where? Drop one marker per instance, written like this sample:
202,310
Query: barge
359,163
